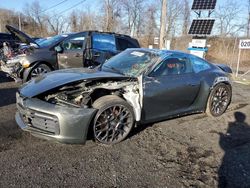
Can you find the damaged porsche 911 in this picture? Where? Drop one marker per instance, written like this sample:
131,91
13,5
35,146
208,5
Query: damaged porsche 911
135,87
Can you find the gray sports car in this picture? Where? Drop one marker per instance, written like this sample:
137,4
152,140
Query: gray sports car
137,86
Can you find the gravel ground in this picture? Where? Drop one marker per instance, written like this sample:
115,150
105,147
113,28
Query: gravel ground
192,151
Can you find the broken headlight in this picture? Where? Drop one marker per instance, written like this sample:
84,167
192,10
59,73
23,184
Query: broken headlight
25,63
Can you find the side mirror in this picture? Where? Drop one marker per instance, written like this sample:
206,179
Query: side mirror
58,49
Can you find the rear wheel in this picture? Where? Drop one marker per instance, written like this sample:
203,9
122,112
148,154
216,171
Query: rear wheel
219,99
114,119
39,70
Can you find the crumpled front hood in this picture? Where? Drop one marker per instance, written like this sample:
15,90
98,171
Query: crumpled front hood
19,34
59,78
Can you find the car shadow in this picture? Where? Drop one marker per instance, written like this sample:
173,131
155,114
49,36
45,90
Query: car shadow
136,130
4,78
235,167
139,128
7,96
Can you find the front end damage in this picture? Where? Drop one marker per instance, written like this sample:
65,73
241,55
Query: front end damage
65,113
12,67
14,64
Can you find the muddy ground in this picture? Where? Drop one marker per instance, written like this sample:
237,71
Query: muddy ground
192,151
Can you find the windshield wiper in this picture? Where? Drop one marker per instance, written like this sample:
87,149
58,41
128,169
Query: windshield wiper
114,69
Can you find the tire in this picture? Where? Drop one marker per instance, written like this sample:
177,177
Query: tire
113,121
38,70
219,99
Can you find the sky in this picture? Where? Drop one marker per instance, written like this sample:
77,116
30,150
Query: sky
66,6
56,6
18,5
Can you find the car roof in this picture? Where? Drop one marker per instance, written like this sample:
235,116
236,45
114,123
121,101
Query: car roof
158,51
5,34
96,31
112,33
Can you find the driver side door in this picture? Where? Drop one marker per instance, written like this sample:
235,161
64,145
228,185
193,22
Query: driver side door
72,54
170,89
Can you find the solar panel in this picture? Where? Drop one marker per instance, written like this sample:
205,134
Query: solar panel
203,5
201,27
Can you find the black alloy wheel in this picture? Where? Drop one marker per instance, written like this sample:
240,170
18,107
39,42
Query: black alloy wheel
219,100
39,70
113,121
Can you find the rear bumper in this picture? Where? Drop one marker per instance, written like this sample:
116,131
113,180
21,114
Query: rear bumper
53,122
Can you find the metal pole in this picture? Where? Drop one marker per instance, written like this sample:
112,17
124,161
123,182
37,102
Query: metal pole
238,63
19,22
0,23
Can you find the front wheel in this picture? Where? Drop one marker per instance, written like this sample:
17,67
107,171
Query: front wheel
114,119
39,70
219,99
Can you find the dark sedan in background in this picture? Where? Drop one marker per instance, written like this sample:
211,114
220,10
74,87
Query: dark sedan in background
83,49
136,86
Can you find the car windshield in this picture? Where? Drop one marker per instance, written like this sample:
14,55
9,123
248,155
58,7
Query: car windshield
51,41
131,62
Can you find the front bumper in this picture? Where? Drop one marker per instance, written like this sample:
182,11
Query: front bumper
49,121
12,68
7,69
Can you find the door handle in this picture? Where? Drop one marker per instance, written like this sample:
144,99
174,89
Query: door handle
97,55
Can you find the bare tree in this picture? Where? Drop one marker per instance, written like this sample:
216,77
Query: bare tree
111,12
34,10
37,19
248,21
42,22
175,9
73,21
133,13
88,21
84,20
56,24
163,23
228,25
186,18
228,19
150,22
172,10
8,17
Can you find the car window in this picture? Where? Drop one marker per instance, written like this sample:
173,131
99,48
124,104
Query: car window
6,37
123,44
103,42
51,40
131,62
199,64
74,43
173,65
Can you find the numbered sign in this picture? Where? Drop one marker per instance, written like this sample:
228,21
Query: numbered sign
244,44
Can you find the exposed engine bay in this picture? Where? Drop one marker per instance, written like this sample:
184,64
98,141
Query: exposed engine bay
83,94
12,64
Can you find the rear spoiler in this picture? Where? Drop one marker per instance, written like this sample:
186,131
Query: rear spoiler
224,67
